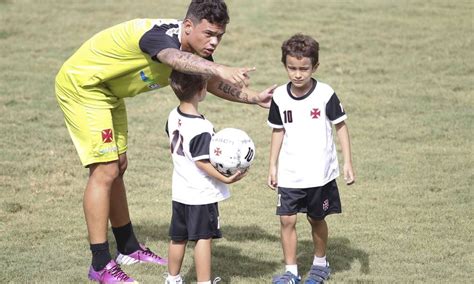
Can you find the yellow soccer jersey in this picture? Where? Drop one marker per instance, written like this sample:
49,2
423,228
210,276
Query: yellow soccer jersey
122,58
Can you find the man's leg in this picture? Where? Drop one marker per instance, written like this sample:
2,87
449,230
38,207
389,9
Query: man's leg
122,228
119,214
96,205
130,250
97,199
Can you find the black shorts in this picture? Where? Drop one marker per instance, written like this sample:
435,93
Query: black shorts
317,202
194,222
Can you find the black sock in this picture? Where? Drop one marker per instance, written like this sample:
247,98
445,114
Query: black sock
126,240
100,255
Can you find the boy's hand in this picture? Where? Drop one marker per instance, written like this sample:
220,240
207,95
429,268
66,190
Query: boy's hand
349,176
272,179
236,177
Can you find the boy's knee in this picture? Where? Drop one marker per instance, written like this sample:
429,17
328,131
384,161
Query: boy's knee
288,220
315,221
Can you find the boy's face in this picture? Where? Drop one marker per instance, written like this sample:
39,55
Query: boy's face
202,38
300,71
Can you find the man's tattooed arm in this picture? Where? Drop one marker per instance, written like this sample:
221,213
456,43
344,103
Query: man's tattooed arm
187,62
229,83
231,92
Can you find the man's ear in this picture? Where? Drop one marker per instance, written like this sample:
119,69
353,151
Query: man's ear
188,26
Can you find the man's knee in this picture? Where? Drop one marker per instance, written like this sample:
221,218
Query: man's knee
123,163
105,172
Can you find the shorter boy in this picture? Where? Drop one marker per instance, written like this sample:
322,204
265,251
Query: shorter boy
303,161
197,186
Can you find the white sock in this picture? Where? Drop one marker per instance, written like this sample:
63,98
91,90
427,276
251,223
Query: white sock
320,261
205,282
170,279
293,268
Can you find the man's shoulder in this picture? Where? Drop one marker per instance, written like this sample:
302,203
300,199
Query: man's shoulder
148,22
170,27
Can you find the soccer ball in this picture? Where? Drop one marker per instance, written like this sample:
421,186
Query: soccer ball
230,150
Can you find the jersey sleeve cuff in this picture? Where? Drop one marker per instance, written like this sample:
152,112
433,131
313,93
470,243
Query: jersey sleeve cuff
274,125
340,119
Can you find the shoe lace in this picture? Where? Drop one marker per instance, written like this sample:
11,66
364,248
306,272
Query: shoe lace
148,252
118,273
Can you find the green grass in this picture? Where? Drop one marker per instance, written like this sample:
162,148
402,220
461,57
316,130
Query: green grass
403,69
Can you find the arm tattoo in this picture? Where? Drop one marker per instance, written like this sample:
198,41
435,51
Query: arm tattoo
235,92
187,62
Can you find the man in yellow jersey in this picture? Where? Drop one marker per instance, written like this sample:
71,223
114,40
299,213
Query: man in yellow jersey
123,61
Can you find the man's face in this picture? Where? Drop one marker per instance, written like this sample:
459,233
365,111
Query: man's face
202,38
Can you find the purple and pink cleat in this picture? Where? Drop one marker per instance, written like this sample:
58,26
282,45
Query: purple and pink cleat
112,273
144,254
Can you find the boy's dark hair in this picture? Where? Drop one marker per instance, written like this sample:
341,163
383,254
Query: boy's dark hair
299,46
214,11
186,86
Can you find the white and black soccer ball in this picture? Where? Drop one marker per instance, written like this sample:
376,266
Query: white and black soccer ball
230,150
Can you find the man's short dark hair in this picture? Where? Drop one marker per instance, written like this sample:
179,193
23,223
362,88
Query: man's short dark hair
299,46
214,11
185,85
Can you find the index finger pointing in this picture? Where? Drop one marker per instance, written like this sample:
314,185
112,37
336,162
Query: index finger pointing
246,70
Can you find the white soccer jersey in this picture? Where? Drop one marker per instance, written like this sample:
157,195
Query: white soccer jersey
190,136
308,153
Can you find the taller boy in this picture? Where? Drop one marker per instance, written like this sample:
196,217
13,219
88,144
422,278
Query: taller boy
303,162
123,61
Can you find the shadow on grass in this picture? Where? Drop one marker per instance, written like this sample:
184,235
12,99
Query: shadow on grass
228,260
157,233
248,233
340,254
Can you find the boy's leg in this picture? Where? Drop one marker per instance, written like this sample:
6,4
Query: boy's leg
289,238
323,201
319,232
176,250
202,260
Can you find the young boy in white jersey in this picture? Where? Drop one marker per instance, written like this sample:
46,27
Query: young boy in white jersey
197,185
303,161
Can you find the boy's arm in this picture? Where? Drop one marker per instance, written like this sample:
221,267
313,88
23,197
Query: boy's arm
239,93
206,166
277,141
343,135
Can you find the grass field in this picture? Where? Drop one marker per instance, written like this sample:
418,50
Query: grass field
403,69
